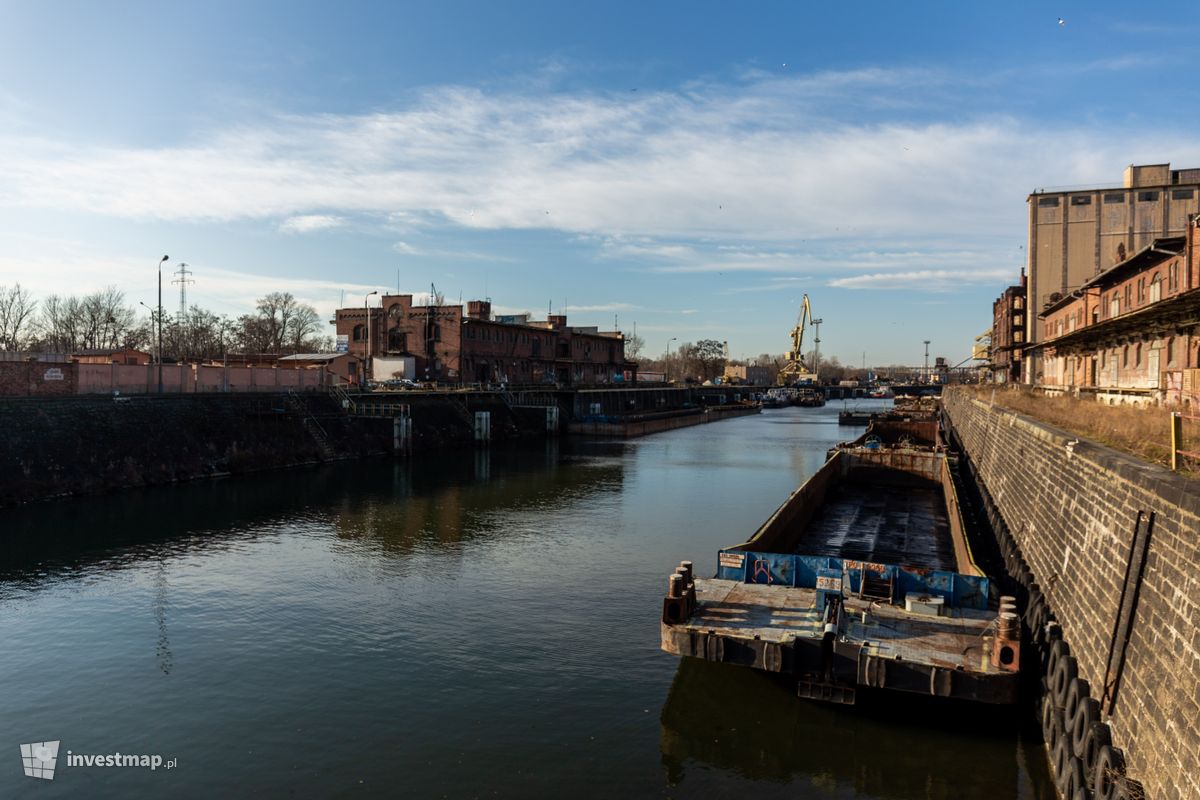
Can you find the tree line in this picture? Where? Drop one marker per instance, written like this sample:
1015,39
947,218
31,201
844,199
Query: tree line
279,324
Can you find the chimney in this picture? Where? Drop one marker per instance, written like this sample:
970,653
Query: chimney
479,309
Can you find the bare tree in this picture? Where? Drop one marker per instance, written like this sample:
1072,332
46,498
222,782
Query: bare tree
281,324
633,346
99,320
17,307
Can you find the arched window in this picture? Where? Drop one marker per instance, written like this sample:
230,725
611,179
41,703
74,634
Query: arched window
360,333
1125,356
1170,351
1137,355
1155,288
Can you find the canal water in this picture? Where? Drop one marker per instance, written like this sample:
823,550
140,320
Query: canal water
470,624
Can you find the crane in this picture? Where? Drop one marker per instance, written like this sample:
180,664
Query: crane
794,368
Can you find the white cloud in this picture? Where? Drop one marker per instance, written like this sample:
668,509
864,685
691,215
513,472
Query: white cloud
307,223
771,158
408,249
929,280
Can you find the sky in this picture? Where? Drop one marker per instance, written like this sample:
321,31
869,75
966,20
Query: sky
689,168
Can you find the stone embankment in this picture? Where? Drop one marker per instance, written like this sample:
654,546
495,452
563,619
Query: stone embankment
69,445
1105,552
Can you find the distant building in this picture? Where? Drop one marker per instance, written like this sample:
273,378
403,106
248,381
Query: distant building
439,343
343,366
1131,333
1008,333
1076,234
118,355
750,374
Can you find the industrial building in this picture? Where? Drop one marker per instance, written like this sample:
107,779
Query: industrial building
1077,233
1008,333
1132,333
440,343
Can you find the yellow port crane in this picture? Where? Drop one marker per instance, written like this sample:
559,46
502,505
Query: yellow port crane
794,369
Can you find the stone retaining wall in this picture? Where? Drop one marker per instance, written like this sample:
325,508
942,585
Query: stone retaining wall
1072,507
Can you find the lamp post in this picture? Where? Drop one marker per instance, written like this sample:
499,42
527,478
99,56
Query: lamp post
367,360
816,323
160,263
668,361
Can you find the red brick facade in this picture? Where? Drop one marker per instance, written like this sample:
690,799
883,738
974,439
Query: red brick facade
1132,330
449,347
1009,334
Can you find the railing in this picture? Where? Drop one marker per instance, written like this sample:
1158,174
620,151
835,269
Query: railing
1177,440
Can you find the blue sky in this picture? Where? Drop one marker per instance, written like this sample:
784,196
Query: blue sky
693,168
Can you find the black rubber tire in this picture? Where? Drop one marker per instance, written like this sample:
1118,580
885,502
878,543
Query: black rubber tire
1086,715
1035,598
1048,712
1129,789
1064,672
1073,779
1038,629
1099,735
1062,762
1055,729
1110,765
1078,691
1056,650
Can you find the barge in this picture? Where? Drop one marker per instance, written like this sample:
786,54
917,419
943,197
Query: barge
862,578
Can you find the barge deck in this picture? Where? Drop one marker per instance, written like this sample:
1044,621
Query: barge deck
863,577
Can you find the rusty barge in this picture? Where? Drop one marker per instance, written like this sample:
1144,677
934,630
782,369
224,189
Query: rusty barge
864,577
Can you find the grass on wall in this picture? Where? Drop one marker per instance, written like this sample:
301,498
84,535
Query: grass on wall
1141,431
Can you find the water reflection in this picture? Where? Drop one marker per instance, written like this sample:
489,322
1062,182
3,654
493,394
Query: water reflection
396,505
750,723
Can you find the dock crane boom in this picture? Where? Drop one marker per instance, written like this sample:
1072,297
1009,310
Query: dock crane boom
794,368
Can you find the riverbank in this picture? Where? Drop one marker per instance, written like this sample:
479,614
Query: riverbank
89,445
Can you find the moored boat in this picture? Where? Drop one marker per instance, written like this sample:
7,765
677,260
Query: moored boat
863,577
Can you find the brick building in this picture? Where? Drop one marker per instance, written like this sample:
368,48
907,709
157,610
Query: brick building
1008,333
1131,333
1076,234
441,343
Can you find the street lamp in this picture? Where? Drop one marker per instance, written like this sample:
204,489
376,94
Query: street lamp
160,263
668,361
367,360
816,323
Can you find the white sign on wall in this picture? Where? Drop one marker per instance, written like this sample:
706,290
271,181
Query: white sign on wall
343,343
53,374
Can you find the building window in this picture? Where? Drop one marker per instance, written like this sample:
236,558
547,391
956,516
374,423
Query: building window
1128,296
360,333
1171,351
1173,277
1048,202
1125,356
1155,288
1183,194
1081,200
1114,197
1137,355
1018,302
1114,305
1147,197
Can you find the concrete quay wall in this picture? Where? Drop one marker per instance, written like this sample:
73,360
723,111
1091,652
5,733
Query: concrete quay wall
1072,507
71,445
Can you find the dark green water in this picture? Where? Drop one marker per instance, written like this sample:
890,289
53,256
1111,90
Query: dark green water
466,625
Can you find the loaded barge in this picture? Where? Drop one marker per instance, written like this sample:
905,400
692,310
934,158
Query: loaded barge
862,578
